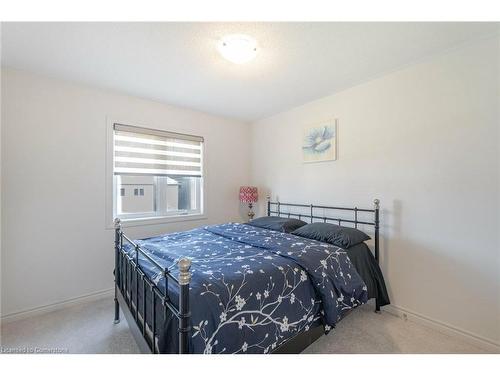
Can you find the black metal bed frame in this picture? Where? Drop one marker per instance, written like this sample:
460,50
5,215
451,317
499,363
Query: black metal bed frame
128,273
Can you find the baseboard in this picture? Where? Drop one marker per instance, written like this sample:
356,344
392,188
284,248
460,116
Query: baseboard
398,311
447,329
12,317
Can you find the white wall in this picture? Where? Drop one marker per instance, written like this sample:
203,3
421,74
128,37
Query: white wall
425,141
55,246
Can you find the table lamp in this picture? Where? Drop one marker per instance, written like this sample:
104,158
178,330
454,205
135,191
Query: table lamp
248,194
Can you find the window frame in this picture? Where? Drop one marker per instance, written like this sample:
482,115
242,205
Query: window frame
141,220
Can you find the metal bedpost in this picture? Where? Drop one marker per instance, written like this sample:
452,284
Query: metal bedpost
118,231
184,312
376,203
268,198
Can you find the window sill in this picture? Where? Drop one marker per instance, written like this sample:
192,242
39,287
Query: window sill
160,220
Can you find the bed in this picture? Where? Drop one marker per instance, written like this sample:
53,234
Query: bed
236,288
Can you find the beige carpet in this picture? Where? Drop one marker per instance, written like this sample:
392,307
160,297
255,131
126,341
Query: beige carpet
89,328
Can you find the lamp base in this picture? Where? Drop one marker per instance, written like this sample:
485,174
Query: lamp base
251,214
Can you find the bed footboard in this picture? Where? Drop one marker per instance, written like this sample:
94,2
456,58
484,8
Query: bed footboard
130,280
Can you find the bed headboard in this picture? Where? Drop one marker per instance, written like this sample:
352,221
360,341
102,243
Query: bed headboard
311,212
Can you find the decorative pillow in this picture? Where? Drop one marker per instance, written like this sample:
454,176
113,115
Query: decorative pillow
280,224
344,237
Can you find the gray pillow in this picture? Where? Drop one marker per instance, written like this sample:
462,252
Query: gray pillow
280,224
335,234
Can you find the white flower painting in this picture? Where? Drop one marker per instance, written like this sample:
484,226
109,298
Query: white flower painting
320,142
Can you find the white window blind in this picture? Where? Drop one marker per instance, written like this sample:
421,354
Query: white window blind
139,151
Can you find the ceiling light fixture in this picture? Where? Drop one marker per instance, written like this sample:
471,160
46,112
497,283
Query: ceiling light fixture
237,48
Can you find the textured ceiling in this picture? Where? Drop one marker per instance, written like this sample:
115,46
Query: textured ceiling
177,63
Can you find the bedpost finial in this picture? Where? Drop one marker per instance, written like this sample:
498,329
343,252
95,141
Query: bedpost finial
118,223
376,202
268,197
184,274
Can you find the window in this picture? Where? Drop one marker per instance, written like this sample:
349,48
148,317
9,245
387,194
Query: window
156,174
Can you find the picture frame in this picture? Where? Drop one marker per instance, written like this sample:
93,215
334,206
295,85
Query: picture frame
319,142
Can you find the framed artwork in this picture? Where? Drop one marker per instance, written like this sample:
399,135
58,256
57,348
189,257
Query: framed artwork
319,142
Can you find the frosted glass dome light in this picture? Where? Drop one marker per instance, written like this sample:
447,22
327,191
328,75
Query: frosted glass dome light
237,48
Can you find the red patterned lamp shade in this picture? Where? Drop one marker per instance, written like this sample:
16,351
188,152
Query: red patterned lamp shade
248,194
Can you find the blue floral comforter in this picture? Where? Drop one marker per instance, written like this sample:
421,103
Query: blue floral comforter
253,289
